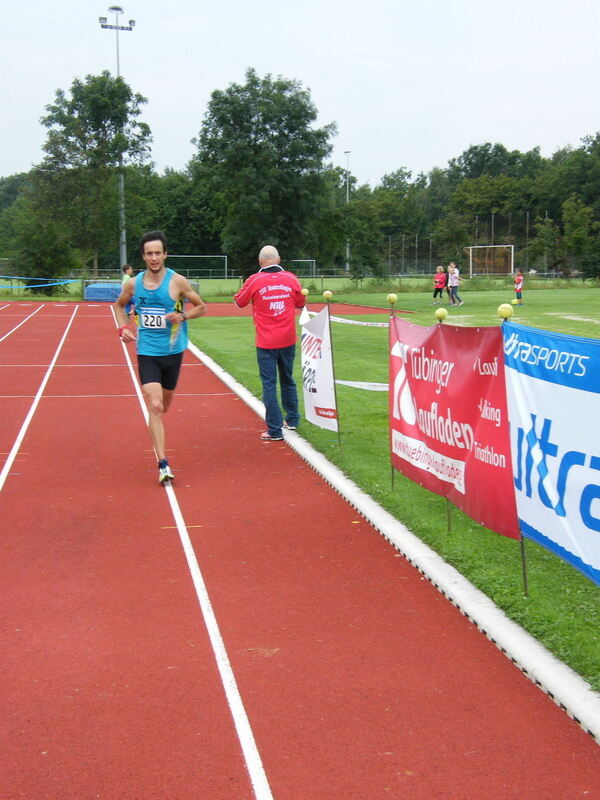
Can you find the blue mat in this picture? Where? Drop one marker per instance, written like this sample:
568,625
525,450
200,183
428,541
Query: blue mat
102,292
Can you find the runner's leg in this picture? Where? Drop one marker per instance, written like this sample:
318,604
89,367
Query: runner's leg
154,395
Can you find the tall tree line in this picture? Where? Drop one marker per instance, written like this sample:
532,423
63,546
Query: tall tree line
261,174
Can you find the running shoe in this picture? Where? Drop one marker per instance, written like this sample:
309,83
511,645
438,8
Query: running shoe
164,473
289,427
266,437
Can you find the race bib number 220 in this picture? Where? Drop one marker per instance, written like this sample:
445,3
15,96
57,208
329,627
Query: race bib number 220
153,319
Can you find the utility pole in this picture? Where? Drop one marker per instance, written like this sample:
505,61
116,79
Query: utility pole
116,10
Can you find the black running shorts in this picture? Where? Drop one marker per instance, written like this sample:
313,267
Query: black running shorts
160,369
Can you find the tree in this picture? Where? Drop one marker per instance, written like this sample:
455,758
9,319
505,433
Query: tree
89,134
397,181
494,159
330,227
263,163
10,188
40,244
544,249
577,227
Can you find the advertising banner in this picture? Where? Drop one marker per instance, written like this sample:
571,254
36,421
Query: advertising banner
317,372
553,388
448,418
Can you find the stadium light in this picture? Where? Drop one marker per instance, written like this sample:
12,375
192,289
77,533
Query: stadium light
116,10
347,153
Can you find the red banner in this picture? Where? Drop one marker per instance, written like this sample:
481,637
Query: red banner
449,426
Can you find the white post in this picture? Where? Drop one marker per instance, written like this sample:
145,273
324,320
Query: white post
347,152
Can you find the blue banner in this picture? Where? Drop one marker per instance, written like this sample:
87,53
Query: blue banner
552,384
553,357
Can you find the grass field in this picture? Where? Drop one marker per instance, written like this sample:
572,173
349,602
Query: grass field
563,607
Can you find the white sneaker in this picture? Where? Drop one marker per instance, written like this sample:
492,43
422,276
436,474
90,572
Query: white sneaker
165,474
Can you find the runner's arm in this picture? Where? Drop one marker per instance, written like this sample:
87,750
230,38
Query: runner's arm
185,290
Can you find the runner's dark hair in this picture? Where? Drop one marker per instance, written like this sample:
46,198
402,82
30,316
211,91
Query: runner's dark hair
153,236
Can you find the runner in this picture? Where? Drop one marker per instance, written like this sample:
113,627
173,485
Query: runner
158,295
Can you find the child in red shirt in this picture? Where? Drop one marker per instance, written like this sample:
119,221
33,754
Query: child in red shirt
519,287
439,284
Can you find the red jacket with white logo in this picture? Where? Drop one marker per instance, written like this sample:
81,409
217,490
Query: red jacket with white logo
275,295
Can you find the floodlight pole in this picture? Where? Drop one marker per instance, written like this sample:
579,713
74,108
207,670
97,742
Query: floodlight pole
347,153
116,10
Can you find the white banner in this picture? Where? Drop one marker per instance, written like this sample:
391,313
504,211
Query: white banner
317,373
553,393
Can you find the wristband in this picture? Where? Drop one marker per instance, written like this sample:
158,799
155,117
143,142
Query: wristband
120,330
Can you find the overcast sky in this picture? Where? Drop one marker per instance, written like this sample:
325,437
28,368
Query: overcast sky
409,83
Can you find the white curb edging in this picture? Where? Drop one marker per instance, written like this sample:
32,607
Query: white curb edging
560,682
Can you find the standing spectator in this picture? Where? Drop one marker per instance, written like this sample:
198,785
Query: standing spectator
446,275
439,284
127,271
519,287
275,294
453,280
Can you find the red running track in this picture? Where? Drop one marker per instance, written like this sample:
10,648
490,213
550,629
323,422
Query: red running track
358,679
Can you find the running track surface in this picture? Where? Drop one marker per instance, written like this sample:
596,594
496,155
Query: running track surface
357,678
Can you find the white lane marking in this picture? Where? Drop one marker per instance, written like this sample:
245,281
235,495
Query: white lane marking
93,396
258,778
85,366
34,405
23,321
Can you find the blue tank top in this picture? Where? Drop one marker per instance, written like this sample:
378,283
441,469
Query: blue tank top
156,336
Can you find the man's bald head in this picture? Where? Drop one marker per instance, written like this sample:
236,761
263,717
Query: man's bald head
268,255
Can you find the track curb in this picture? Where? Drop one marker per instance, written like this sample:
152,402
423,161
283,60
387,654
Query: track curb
568,689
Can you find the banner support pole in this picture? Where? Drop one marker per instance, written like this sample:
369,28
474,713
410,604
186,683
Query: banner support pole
391,298
327,295
524,565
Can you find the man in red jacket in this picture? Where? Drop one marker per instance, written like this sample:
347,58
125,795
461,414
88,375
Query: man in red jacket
275,295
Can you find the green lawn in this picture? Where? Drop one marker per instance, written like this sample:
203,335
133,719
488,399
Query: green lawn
563,607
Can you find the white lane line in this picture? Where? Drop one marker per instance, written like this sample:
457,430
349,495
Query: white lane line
63,366
84,366
93,396
3,307
258,778
23,321
260,783
61,396
18,441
